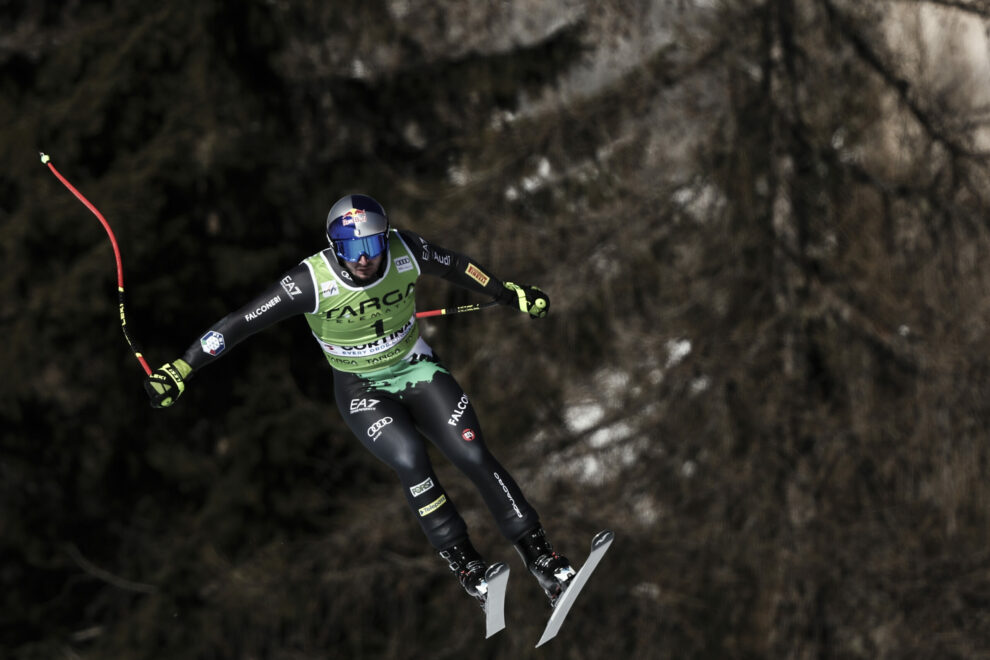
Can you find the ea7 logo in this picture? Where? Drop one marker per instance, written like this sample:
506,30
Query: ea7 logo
290,287
375,430
363,405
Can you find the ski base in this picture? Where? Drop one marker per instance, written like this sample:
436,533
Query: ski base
497,577
599,546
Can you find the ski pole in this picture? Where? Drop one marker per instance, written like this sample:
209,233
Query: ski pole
456,310
116,253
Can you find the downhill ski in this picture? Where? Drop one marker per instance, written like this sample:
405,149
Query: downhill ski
599,546
497,577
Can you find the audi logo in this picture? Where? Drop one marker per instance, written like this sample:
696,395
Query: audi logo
379,425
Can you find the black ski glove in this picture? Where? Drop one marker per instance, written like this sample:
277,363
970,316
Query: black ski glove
166,383
528,298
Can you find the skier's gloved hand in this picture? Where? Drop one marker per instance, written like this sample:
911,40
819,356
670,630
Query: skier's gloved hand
529,299
166,383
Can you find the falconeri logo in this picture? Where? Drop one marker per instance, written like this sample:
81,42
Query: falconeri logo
264,307
462,405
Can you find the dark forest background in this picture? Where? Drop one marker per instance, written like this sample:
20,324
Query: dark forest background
763,227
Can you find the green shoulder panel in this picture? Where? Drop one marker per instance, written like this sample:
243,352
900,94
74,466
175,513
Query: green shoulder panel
366,328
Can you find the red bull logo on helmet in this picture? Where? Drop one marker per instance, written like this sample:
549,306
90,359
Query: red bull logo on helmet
352,216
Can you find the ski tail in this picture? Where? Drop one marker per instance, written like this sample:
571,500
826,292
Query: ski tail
497,577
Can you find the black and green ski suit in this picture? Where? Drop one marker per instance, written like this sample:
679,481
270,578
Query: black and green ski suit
389,385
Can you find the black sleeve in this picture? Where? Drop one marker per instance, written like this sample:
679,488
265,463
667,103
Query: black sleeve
456,268
294,294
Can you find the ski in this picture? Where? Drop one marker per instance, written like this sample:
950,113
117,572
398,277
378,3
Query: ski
497,577
599,546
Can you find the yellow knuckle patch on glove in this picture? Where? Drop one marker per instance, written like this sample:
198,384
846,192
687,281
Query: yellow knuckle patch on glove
523,303
175,376
532,300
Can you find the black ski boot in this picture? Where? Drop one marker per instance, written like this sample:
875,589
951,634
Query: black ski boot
551,570
469,567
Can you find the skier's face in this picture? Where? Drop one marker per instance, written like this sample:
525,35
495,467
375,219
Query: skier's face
365,268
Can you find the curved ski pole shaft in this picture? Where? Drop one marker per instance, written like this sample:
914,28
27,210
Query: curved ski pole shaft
116,253
456,310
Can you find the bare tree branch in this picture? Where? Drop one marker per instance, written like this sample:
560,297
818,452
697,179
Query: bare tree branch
901,86
105,575
977,7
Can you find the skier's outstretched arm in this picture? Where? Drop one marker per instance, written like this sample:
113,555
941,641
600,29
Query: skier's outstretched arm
293,294
468,273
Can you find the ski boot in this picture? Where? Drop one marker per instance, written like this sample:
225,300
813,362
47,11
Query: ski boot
551,570
469,567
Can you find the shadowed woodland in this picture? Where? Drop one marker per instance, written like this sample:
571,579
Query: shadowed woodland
763,228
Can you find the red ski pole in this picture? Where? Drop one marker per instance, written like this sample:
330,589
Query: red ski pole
116,253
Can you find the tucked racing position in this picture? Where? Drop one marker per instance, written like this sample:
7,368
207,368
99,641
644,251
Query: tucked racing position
358,297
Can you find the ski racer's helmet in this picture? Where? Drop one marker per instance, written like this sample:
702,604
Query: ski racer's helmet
357,225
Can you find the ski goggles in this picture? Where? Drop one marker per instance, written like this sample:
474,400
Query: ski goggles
351,249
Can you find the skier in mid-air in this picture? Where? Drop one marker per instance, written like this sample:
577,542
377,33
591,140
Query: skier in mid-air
358,297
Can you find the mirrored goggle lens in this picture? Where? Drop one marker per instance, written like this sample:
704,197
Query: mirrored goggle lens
351,249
